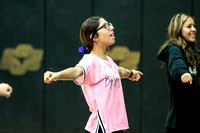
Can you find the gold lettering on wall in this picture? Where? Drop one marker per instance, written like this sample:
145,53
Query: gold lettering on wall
124,57
21,59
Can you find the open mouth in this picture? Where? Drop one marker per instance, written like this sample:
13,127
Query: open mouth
112,35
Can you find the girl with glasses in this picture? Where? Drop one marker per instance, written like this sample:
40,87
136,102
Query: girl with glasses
99,78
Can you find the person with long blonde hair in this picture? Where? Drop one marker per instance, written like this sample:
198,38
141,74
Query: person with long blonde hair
181,58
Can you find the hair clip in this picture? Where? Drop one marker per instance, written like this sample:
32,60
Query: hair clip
82,50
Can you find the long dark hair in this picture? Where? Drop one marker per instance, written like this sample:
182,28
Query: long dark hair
175,37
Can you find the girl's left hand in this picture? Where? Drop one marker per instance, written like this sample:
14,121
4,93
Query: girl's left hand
136,75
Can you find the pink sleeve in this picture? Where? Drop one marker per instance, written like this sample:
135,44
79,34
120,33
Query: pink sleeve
84,64
80,80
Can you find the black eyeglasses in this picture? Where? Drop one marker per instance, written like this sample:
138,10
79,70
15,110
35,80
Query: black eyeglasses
106,25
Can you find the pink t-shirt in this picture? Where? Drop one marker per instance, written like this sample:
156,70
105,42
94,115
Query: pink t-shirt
102,89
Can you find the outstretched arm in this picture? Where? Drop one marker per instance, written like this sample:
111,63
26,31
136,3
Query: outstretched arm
133,75
71,73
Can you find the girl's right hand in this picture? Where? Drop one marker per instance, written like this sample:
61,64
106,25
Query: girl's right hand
186,77
49,77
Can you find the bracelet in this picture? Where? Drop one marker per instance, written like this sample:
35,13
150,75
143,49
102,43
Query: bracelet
131,74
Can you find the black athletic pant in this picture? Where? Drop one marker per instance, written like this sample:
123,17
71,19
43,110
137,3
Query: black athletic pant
100,131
